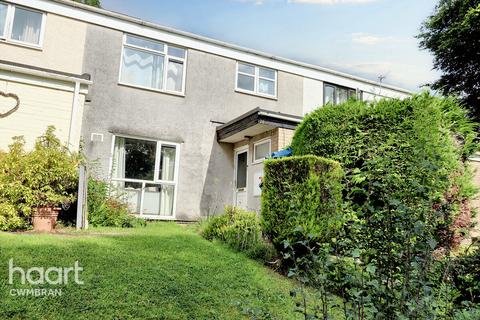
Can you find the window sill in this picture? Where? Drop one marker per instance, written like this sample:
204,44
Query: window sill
21,44
258,161
154,217
256,94
172,93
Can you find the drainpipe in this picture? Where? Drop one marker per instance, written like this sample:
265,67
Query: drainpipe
73,118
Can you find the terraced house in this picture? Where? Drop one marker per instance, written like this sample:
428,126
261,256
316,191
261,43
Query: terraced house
180,123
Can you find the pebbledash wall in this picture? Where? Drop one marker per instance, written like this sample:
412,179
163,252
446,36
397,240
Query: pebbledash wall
205,180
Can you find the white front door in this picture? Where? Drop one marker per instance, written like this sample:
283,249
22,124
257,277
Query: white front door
240,178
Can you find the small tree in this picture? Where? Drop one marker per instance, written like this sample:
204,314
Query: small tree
452,34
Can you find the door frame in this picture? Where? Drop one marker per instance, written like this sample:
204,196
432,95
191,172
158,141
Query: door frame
237,151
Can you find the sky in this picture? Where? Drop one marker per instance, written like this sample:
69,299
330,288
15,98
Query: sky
367,38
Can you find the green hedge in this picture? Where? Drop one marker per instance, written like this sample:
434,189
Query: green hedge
301,196
405,182
401,157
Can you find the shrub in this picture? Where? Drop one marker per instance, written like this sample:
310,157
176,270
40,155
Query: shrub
43,177
404,178
9,218
106,210
468,314
301,196
466,277
50,172
401,158
240,230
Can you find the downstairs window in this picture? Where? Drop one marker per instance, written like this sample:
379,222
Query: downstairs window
145,173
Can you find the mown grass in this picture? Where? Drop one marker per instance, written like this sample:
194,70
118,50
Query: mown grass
162,271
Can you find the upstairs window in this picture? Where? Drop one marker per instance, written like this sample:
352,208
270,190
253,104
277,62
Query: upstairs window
153,65
336,95
3,19
257,80
21,25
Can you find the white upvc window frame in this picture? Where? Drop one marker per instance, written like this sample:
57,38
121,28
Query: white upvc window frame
156,171
263,141
7,32
166,59
335,88
257,78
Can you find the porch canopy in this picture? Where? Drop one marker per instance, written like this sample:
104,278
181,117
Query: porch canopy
255,122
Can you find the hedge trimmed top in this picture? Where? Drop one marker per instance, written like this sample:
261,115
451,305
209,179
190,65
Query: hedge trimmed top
351,131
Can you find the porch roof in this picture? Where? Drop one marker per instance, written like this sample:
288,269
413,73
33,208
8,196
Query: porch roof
253,123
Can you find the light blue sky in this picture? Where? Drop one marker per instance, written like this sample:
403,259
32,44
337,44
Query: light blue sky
361,37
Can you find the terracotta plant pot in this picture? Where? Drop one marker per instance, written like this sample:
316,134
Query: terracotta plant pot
45,218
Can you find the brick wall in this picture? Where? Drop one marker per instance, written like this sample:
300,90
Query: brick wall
281,138
285,137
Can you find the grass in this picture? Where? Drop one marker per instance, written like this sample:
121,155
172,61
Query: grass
162,271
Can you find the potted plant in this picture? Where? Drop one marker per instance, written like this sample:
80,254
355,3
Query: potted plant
49,180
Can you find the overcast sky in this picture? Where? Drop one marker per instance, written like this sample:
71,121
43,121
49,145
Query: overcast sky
362,37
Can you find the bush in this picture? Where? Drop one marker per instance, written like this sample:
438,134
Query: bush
43,177
468,314
401,159
240,230
301,196
404,181
9,218
106,210
51,172
466,277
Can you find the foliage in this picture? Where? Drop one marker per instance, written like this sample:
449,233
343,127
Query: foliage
165,268
9,218
402,159
43,177
94,3
240,230
471,313
301,196
319,267
466,276
106,210
452,34
50,172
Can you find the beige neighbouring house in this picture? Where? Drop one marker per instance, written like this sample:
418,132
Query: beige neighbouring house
41,71
44,99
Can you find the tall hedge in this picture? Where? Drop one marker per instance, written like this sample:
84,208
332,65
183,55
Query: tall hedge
401,158
301,196
405,181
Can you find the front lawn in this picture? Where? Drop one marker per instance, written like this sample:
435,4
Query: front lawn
162,271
